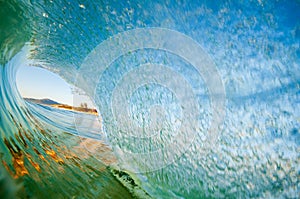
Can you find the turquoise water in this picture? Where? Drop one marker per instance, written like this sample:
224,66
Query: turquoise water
254,46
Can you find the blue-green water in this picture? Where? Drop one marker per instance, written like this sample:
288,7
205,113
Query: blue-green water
255,48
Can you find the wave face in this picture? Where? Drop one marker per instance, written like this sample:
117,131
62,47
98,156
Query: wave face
254,47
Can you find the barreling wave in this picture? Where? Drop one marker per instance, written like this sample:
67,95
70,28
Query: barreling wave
40,157
43,154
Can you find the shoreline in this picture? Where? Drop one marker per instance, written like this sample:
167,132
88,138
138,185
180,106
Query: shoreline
72,108
54,104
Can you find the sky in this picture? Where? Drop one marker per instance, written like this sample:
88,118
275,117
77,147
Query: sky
39,83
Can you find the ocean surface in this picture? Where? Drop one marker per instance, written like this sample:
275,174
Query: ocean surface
230,129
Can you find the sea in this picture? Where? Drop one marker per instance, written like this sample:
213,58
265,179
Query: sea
196,99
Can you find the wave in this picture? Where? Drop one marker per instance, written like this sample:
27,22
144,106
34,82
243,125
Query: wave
47,152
